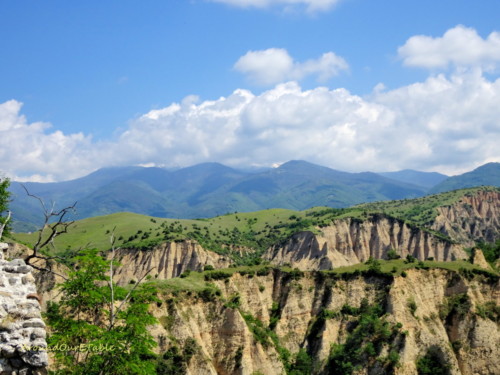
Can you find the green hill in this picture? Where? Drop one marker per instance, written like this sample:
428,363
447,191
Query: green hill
255,230
206,190
425,179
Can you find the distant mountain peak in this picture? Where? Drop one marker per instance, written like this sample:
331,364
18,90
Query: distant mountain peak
487,174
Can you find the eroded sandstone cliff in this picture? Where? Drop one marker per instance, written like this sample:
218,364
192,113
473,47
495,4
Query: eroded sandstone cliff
351,241
315,311
165,261
474,217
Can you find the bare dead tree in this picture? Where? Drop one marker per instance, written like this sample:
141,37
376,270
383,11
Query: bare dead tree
54,225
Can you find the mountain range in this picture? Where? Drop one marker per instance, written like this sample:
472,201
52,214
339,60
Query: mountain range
211,189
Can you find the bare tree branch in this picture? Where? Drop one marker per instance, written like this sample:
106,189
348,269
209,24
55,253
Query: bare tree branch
127,297
111,287
47,269
54,229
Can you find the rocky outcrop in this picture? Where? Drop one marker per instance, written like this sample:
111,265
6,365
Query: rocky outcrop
351,241
475,217
23,349
423,303
165,261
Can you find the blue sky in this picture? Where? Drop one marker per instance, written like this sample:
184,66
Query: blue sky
351,84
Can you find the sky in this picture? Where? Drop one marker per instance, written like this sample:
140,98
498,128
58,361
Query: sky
354,85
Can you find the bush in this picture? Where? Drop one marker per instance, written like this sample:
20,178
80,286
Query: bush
490,310
392,254
303,364
234,302
295,274
458,305
433,363
365,343
264,271
217,275
375,266
209,294
410,259
185,274
412,305
176,360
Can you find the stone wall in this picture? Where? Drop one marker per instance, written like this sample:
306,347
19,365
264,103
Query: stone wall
22,331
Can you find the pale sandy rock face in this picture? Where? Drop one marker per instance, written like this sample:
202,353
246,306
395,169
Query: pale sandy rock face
349,241
475,217
228,346
22,331
165,261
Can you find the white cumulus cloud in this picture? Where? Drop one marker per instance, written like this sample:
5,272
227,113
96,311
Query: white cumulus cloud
34,152
460,47
275,65
311,6
445,123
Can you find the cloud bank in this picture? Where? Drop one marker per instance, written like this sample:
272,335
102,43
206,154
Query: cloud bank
447,123
274,65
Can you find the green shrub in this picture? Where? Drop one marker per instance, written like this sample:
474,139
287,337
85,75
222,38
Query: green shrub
433,363
275,315
185,274
209,294
234,302
490,310
302,364
365,343
412,305
176,360
457,305
410,259
264,271
392,254
217,275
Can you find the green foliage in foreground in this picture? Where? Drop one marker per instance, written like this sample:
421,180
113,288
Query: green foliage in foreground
90,334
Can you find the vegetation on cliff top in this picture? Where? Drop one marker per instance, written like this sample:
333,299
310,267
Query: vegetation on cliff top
254,231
